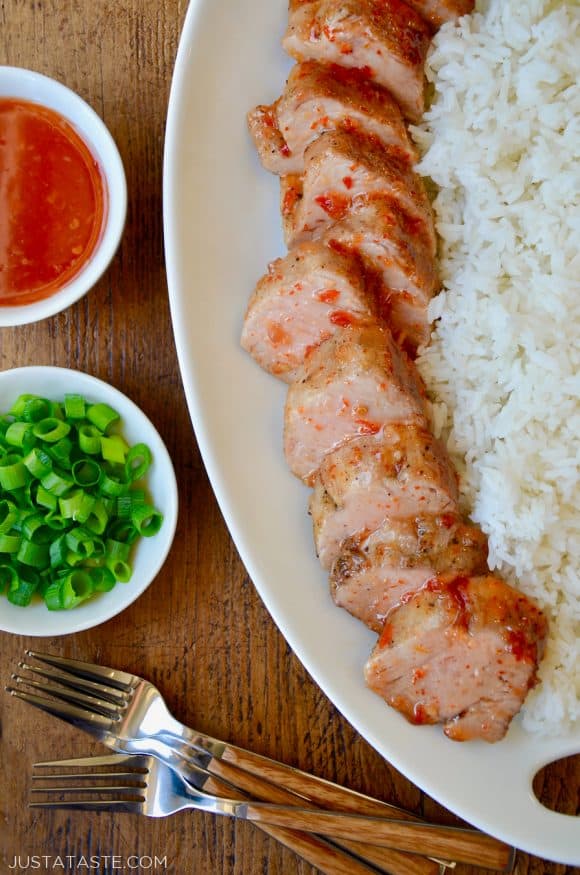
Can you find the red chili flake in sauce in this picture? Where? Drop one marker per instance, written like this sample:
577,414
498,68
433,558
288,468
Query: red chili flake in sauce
328,296
347,181
334,204
342,319
366,427
52,202
268,119
386,637
277,335
290,198
447,520
420,715
285,150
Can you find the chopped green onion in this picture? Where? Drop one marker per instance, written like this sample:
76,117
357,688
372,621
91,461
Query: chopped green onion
22,589
13,473
102,416
103,579
38,462
8,515
9,575
10,543
146,519
45,498
19,434
114,449
77,506
51,429
36,409
35,555
74,406
89,440
121,570
138,462
86,472
112,486
57,483
69,512
98,518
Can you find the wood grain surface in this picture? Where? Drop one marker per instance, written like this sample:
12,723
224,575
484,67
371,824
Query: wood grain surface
200,632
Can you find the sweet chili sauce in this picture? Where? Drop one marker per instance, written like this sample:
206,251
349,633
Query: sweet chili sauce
52,202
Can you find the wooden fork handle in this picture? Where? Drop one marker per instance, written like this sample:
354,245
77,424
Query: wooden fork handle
317,790
319,852
464,846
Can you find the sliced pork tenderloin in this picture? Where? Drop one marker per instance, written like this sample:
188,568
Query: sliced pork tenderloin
461,651
386,39
351,385
319,98
383,236
340,167
302,300
404,471
374,573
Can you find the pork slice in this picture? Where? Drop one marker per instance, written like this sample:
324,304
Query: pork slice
303,299
403,472
405,271
319,98
437,12
373,574
461,651
384,38
272,148
350,385
342,166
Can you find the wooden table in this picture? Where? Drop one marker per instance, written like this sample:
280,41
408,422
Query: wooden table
200,632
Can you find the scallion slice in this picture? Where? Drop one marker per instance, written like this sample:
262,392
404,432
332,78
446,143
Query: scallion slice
69,512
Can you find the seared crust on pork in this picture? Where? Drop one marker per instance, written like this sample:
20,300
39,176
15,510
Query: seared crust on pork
319,98
373,574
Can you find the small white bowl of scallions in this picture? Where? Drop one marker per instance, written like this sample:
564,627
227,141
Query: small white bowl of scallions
88,501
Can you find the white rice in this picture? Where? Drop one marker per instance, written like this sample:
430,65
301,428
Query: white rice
501,141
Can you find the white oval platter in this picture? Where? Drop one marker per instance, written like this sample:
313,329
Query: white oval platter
222,226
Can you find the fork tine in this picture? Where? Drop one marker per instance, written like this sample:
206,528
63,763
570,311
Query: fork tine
133,807
138,761
53,776
98,691
119,680
70,713
129,781
66,694
94,788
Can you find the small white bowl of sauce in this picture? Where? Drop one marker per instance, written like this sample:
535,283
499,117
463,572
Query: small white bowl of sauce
63,197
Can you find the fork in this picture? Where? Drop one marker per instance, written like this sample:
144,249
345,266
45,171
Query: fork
322,854
128,714
144,785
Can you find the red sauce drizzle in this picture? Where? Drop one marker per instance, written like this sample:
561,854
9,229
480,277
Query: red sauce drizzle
521,647
52,202
328,296
456,590
334,204
366,427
